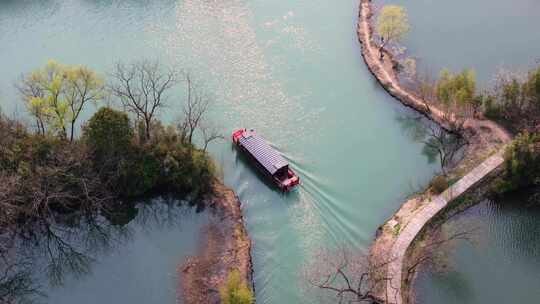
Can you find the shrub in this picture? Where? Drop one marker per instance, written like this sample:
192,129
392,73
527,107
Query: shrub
108,133
139,173
521,165
235,290
439,183
490,109
515,100
163,163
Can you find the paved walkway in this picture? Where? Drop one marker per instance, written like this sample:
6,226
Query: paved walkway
383,71
424,215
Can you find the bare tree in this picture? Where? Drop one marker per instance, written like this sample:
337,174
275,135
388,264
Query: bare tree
445,144
16,284
346,275
210,133
63,183
426,254
193,112
424,86
349,276
142,87
442,142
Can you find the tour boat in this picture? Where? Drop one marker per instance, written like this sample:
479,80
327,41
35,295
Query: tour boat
269,161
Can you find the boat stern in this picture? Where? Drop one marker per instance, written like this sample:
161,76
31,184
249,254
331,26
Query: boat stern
291,181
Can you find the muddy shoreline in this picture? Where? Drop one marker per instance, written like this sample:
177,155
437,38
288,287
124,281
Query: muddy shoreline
227,246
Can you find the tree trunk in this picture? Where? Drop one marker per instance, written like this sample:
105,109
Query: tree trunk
72,127
190,137
64,132
41,127
147,122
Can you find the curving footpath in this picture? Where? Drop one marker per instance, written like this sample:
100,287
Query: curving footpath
423,216
489,132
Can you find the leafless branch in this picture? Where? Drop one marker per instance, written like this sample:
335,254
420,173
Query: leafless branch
142,87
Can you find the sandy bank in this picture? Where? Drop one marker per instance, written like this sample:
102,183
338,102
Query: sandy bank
227,247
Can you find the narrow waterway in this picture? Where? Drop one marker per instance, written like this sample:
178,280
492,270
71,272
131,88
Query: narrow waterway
291,70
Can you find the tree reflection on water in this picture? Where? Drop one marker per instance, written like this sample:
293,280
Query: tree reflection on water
47,250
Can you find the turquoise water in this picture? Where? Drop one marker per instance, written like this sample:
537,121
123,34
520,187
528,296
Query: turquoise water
143,263
291,70
483,35
135,256
499,265
502,265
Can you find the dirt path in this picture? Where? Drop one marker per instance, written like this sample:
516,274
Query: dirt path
431,207
384,72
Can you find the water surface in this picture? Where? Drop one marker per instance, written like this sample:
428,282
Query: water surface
291,70
135,254
485,35
500,265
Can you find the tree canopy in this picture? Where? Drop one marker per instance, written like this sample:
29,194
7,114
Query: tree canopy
56,94
142,88
392,24
108,133
522,163
456,89
515,100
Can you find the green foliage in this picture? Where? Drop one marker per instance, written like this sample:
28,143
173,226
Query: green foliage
108,133
135,168
392,23
183,167
396,229
235,290
532,88
42,172
522,164
139,174
511,92
439,183
456,89
56,95
490,109
515,100
476,103
44,175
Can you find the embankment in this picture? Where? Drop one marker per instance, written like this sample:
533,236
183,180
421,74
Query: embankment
227,247
396,237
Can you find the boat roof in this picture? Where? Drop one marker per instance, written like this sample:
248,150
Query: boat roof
267,156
